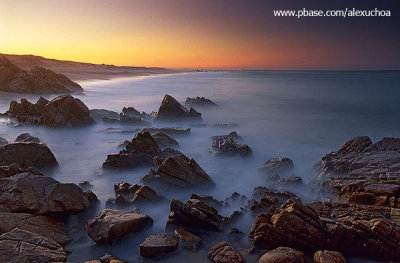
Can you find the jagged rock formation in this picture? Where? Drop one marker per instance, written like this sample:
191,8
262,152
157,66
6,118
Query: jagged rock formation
171,110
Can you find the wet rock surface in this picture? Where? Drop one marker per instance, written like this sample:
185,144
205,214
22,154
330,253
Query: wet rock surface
171,110
179,171
157,245
227,145
282,255
23,246
110,226
36,80
27,154
225,252
39,194
199,102
195,214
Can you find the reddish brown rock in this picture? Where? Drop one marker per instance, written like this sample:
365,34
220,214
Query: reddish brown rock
157,245
111,225
188,239
223,252
328,256
171,110
282,255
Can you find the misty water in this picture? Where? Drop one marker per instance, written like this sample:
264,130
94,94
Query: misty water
301,115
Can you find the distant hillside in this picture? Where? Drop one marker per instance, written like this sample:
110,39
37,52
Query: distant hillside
79,71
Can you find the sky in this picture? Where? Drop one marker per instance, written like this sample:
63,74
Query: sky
211,34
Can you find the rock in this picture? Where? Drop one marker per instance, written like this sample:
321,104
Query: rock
362,172
49,227
188,239
164,140
270,199
133,112
127,194
110,226
227,145
317,226
172,110
134,120
27,154
99,114
232,135
13,169
26,111
27,192
194,213
280,165
328,256
106,258
3,141
66,111
282,255
91,197
37,80
157,245
199,102
223,252
209,200
170,131
23,246
179,171
138,153
85,185
26,137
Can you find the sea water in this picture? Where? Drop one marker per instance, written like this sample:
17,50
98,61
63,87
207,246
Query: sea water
297,114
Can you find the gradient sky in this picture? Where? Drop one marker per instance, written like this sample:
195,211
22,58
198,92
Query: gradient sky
231,34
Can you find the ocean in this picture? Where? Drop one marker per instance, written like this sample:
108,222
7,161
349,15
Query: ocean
302,115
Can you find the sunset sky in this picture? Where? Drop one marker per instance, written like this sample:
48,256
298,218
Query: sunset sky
229,34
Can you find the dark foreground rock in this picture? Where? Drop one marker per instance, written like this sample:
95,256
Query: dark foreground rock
223,252
3,141
188,239
27,154
39,194
36,80
23,246
282,255
111,225
195,214
106,258
13,169
140,152
179,171
371,231
227,145
171,110
200,102
157,245
362,172
99,114
45,226
164,140
26,137
62,111
133,194
328,256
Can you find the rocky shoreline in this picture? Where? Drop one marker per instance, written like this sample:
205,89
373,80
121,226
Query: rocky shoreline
356,188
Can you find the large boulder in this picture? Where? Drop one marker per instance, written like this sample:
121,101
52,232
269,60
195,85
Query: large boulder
110,226
199,102
179,171
195,214
223,252
188,239
36,80
23,246
27,112
66,111
45,226
27,154
171,110
164,140
133,194
157,245
228,145
280,165
282,255
40,195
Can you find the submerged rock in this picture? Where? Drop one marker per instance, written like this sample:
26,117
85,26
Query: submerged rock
194,213
27,154
157,245
199,102
282,255
223,252
45,226
111,225
179,171
40,195
23,246
36,80
172,110
280,165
